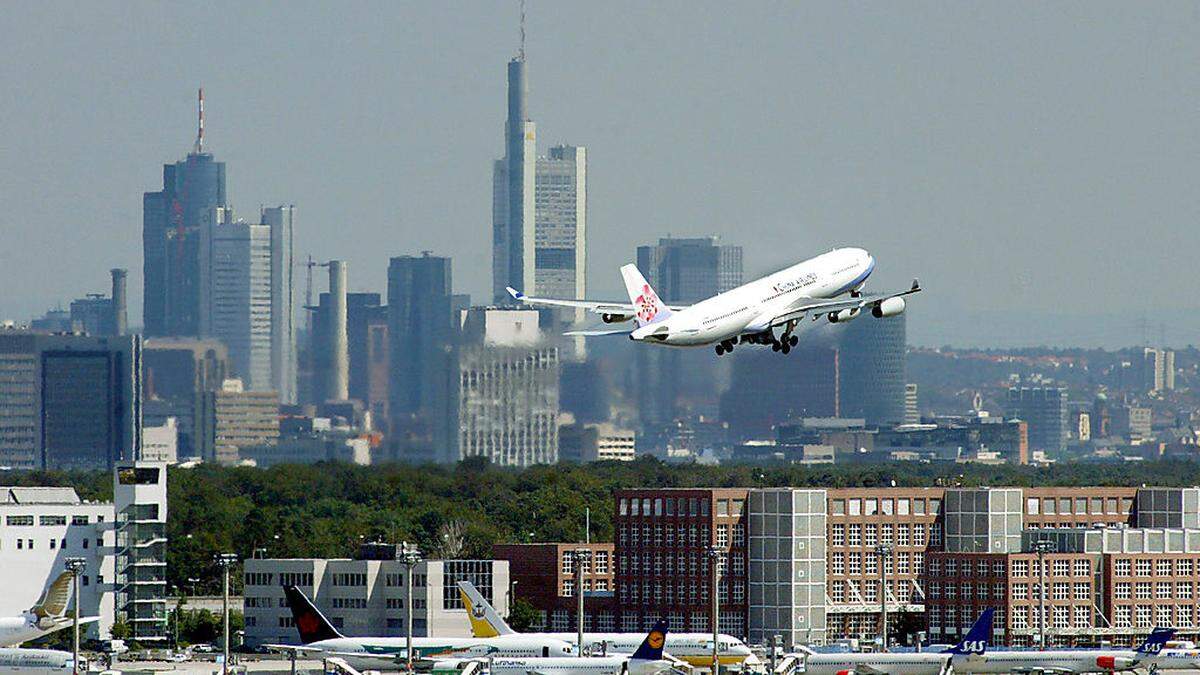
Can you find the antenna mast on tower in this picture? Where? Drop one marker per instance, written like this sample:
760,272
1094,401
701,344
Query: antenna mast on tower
521,52
200,122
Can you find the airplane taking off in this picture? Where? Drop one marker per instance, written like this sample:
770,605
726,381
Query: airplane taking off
750,313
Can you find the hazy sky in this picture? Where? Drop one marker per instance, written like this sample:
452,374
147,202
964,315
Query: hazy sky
1035,164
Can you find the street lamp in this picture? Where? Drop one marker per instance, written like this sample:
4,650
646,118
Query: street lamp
714,556
225,560
408,555
1043,546
75,566
883,552
581,556
512,596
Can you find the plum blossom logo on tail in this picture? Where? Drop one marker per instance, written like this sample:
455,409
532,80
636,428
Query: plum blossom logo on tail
646,304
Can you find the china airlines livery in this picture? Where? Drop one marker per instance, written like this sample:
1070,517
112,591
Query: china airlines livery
766,311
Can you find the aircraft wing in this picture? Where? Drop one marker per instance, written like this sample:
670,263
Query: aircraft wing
622,308
822,306
292,648
600,332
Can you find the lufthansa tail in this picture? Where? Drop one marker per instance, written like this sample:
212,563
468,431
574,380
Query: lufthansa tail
651,648
975,642
310,622
647,306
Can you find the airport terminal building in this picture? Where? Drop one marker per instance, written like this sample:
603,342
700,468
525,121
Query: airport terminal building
367,596
809,564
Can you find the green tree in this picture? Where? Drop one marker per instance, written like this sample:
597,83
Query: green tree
522,616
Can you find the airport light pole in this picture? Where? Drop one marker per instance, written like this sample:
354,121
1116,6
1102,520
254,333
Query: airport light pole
1042,546
409,555
225,560
75,566
512,596
714,555
581,555
883,552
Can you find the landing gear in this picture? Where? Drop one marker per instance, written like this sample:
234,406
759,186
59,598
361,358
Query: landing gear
725,347
793,340
720,349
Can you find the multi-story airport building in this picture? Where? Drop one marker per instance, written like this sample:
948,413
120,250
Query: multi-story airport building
809,564
368,595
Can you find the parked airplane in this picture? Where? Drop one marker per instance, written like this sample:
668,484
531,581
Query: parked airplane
318,636
920,663
1063,661
37,661
693,648
47,616
1175,658
750,313
647,659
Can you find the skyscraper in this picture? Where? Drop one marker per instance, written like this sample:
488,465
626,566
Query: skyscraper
172,219
1044,409
70,401
683,271
874,359
280,220
240,263
560,265
513,206
421,326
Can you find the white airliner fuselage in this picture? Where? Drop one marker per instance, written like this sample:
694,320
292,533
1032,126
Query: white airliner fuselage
751,308
829,285
894,664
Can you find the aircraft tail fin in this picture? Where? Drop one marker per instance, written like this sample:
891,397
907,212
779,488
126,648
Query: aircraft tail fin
1155,642
650,309
54,601
976,640
310,622
485,620
651,648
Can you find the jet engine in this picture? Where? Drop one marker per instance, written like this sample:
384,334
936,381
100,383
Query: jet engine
1111,663
615,318
843,316
889,307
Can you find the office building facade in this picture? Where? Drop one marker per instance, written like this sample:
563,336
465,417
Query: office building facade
873,364
233,418
765,391
69,401
1044,409
368,596
178,374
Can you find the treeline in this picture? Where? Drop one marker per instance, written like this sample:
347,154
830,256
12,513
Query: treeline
327,510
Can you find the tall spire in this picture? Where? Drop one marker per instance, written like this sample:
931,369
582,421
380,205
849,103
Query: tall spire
521,51
200,122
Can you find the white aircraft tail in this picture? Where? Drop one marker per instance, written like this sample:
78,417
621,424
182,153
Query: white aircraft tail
53,603
485,621
650,309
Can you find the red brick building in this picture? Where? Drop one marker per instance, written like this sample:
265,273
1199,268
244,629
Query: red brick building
545,575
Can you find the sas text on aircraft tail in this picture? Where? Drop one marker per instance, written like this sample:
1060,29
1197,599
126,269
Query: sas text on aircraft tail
485,621
310,622
975,642
646,303
1155,642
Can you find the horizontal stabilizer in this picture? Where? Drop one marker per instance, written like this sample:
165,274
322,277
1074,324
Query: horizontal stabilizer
599,332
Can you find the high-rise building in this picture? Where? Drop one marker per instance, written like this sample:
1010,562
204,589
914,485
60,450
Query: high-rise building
1158,368
178,374
421,325
765,391
280,220
513,201
912,411
233,418
873,370
172,220
500,393
560,262
240,265
1044,409
99,315
69,401
682,271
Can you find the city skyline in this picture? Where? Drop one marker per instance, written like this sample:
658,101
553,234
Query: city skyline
1014,157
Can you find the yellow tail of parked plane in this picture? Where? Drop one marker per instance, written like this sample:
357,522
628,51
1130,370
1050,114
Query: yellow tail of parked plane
485,622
